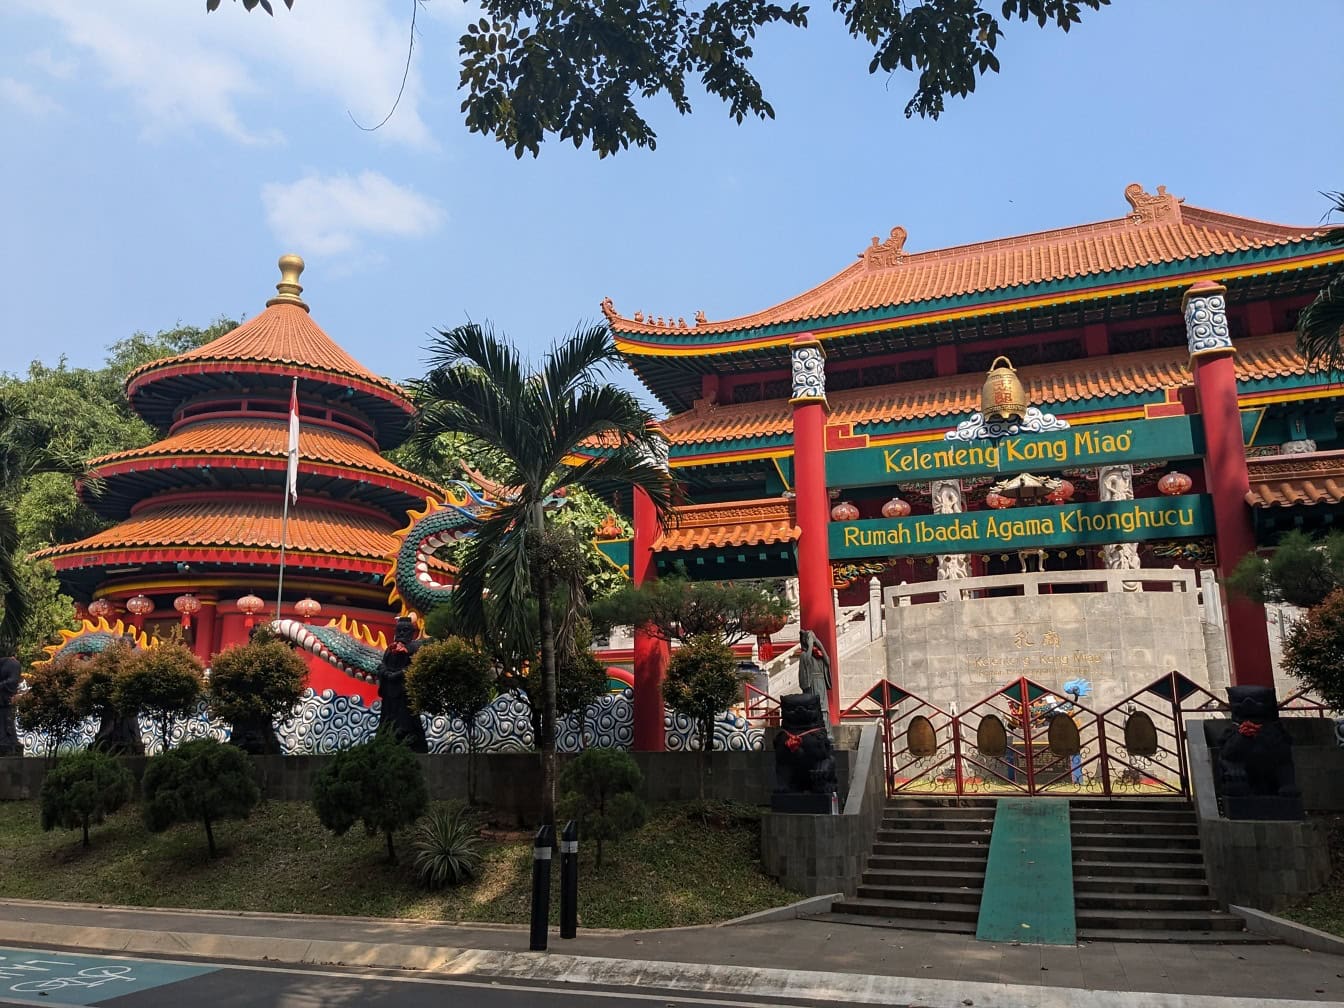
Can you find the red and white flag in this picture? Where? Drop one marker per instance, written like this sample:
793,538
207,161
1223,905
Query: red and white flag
292,478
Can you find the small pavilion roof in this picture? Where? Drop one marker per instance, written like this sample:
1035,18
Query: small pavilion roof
281,343
735,523
1281,481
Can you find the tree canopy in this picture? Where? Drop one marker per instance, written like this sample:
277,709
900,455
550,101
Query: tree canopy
1320,326
582,70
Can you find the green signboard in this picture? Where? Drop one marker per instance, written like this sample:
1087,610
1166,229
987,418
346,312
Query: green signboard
1022,528
1090,445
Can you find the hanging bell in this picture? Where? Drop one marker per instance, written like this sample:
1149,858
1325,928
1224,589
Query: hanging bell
1003,397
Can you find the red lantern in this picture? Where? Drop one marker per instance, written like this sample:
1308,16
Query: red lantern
188,605
895,508
1061,494
249,605
844,512
307,608
101,609
1173,484
139,605
998,501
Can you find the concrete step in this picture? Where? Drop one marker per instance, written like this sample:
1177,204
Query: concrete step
1162,841
931,823
930,850
909,910
1092,919
920,876
903,923
1157,903
934,836
972,861
1127,812
1113,825
1159,886
1116,850
1174,935
939,812
1130,803
921,894
1131,870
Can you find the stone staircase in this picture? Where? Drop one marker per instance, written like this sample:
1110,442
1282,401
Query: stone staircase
927,868
1138,874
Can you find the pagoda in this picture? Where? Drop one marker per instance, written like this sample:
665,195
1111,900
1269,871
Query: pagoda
199,513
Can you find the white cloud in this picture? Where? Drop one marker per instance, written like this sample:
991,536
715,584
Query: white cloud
60,67
330,215
230,70
26,98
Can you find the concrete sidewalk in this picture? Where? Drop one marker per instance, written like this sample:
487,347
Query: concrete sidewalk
796,958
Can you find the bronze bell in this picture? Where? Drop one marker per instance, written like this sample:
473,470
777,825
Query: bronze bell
1003,397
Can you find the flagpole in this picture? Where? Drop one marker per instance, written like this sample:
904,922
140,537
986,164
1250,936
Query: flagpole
291,488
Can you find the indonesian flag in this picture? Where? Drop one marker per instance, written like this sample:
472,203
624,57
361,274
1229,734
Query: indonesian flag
292,477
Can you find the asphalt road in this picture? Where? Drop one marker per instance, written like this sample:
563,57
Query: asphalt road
60,977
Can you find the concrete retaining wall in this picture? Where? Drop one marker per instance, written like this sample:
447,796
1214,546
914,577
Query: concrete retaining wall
820,854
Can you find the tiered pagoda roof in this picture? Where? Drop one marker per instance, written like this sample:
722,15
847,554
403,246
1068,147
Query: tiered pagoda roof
208,497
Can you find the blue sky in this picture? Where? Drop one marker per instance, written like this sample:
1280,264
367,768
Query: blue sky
158,160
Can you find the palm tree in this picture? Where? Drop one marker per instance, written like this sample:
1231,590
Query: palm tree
26,449
556,425
1320,327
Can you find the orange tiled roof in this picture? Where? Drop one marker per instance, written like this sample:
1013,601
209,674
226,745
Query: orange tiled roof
736,523
1285,480
268,438
1050,384
282,334
242,524
1159,229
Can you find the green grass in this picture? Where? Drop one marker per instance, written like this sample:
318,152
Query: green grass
690,864
1325,910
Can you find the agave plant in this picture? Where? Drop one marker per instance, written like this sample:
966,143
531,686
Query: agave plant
447,845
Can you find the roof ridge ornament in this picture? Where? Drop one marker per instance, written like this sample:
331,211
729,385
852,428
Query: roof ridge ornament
881,255
291,268
1153,209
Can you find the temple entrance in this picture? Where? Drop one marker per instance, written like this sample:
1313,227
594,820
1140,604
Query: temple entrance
1025,740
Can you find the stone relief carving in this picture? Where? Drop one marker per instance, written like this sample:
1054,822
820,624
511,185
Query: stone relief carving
1206,326
947,498
809,373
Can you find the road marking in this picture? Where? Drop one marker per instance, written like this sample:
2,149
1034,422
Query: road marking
69,979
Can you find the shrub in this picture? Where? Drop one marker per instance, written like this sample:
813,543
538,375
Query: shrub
1314,650
49,706
703,679
201,781
164,682
96,694
251,686
599,790
452,677
379,783
447,847
84,788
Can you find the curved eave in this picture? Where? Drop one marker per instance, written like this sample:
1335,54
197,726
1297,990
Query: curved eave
155,392
670,362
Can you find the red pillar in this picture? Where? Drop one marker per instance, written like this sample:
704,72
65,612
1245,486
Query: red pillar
812,503
651,652
1211,355
203,625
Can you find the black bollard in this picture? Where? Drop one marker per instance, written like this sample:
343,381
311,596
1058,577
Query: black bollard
541,887
569,880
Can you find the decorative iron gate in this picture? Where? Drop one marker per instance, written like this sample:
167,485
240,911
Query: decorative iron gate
1023,739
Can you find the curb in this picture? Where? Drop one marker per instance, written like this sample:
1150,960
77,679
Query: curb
803,908
1290,931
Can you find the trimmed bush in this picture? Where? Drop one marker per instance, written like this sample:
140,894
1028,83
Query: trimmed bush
84,788
96,693
50,707
379,783
201,781
599,789
1314,650
447,845
252,686
163,682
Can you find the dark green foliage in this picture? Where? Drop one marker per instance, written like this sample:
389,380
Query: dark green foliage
452,677
1320,326
163,682
677,609
703,680
254,684
600,791
380,784
1301,571
1314,650
200,781
49,706
82,789
96,693
538,416
447,845
580,680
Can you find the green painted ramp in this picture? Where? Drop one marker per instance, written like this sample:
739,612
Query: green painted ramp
1028,894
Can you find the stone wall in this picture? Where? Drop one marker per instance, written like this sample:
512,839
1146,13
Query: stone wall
820,854
962,649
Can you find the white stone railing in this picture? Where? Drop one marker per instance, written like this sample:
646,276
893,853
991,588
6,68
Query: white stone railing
970,589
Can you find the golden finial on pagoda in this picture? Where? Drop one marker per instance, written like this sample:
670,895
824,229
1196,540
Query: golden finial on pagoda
291,266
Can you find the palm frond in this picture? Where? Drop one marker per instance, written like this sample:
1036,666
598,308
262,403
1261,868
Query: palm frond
1320,326
14,598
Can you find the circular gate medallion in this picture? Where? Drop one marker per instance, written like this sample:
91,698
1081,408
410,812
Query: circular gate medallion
1063,735
920,738
1140,734
991,738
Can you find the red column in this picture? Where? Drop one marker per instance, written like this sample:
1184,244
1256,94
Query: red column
1211,355
203,625
812,503
651,652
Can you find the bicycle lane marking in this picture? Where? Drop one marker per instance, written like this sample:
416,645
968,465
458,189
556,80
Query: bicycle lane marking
60,978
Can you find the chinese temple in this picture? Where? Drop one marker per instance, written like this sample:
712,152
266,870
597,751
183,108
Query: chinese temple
199,513
1086,427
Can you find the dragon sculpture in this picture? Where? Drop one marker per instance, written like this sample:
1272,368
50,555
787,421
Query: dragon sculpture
94,637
